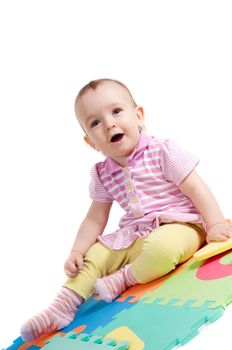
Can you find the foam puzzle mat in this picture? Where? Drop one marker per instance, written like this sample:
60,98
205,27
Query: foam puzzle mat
157,316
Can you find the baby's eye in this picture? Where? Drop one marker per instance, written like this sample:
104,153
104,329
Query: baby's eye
116,110
94,123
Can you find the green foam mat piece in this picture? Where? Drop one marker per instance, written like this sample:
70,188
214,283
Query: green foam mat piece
72,341
162,327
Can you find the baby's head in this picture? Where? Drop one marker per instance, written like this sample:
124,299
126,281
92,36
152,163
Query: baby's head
110,118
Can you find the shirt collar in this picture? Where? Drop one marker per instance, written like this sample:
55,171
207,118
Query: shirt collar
111,166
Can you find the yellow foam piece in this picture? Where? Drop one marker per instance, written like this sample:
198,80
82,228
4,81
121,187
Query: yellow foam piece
125,333
212,249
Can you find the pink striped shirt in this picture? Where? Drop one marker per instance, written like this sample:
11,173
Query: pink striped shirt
147,189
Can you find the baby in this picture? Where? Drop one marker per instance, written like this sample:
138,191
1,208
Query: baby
169,210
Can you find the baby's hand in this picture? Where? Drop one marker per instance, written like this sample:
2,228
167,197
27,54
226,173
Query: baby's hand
73,264
219,232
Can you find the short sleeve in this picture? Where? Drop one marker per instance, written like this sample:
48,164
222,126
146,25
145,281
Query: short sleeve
97,191
176,163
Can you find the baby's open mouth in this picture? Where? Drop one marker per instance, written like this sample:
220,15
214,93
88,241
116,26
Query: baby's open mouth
116,138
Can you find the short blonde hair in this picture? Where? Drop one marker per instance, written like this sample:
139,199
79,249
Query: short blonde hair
93,84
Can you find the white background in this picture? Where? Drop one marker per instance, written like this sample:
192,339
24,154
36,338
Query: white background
175,56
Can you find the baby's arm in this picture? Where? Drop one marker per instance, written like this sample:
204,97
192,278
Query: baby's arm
92,226
218,229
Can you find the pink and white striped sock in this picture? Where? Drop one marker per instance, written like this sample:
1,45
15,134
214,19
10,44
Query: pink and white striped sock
110,287
58,315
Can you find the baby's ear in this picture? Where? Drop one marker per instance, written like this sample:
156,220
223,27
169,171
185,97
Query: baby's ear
91,143
140,115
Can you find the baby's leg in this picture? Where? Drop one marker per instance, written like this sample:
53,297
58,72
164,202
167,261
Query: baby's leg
163,249
98,261
112,285
58,315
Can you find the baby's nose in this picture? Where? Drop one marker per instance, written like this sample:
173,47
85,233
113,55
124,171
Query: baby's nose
109,127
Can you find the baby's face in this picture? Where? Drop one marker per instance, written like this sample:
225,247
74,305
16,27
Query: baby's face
111,120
